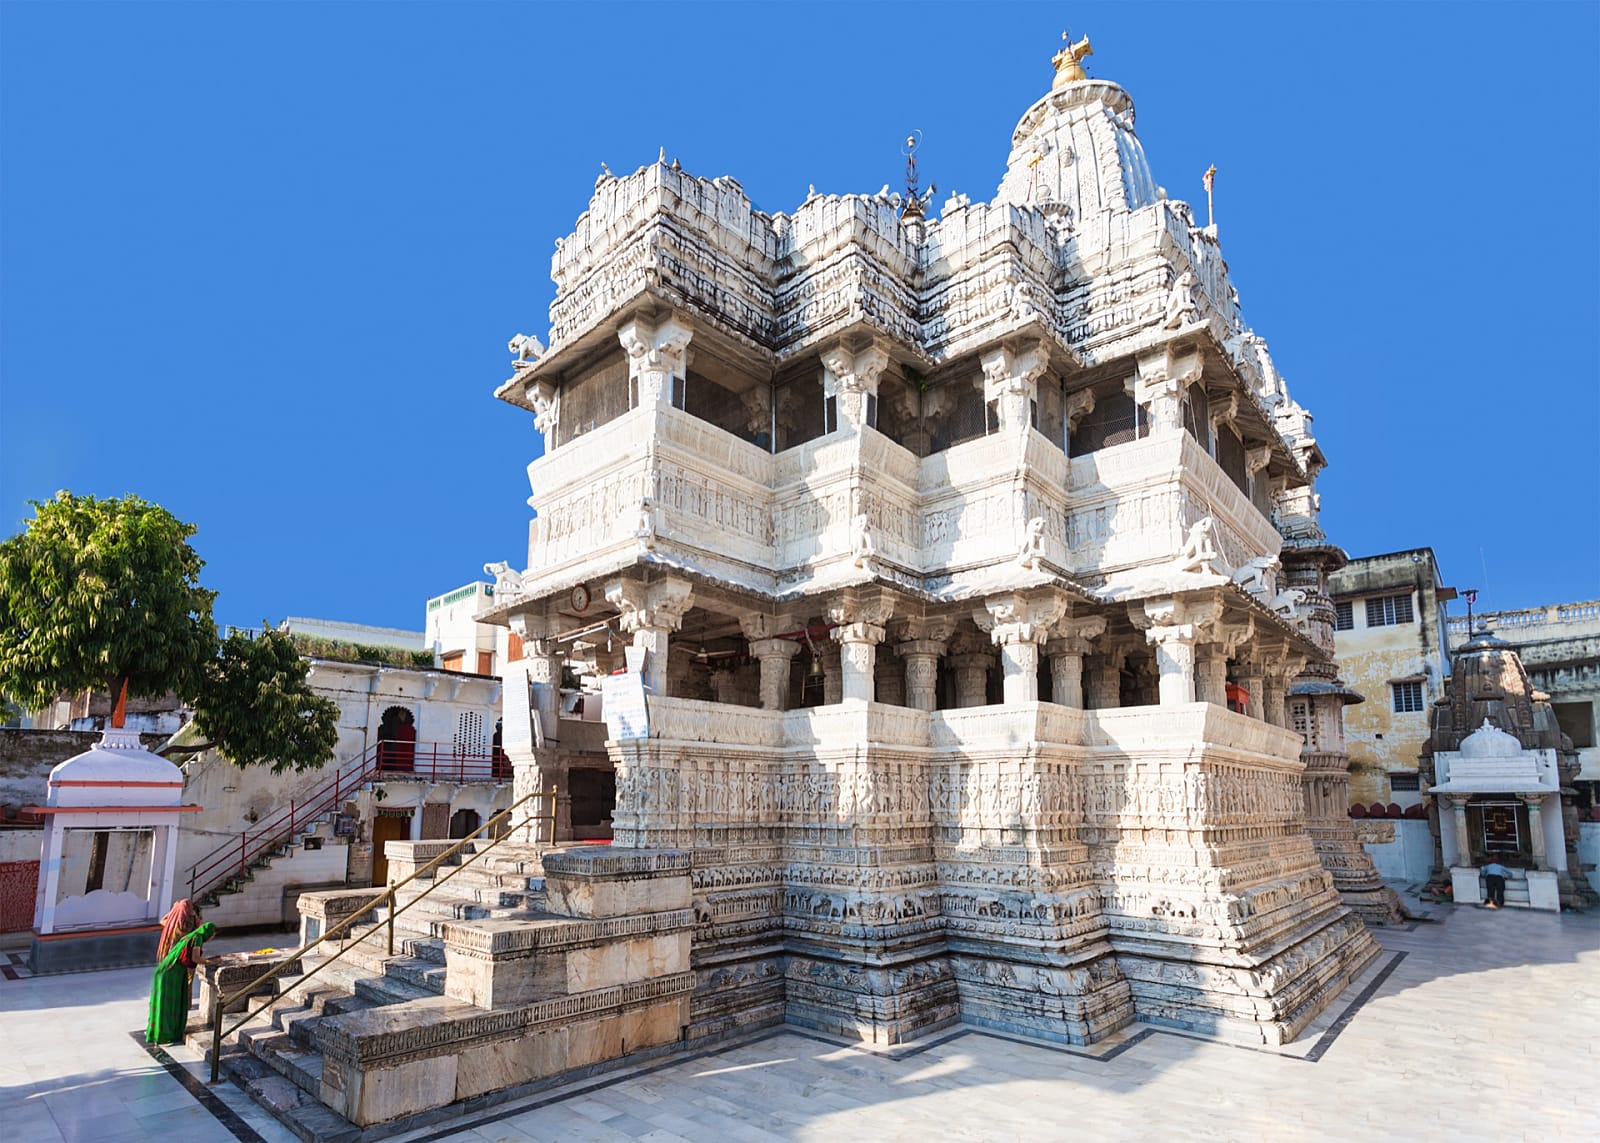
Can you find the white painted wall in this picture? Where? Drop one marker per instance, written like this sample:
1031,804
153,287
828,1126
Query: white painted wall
1589,852
1408,857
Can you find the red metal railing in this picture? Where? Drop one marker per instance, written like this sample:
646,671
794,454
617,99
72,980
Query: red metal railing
422,761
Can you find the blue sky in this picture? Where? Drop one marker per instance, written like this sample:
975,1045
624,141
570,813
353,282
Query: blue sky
259,262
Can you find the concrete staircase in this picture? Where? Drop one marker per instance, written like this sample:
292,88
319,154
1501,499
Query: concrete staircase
258,896
275,1057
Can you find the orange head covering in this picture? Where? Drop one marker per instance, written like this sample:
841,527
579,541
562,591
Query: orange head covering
181,920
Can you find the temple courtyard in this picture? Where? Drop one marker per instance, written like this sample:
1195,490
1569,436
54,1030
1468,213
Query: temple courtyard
1475,1025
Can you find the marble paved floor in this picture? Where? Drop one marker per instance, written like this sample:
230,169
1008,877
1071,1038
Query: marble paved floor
1487,1028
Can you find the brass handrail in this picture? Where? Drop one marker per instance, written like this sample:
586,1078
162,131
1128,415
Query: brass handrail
219,1002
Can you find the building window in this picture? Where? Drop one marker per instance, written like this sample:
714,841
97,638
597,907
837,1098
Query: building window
1407,697
1344,615
1403,782
1389,610
1576,720
485,662
514,651
451,661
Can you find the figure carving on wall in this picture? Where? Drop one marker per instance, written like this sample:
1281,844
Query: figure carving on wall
525,350
1181,307
1253,575
1287,603
862,547
646,528
1197,551
506,581
1032,544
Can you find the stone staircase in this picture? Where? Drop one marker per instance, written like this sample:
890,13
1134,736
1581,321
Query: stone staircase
275,1057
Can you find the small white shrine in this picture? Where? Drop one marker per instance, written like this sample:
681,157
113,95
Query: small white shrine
109,855
1494,764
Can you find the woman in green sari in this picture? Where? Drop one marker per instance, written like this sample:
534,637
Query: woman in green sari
182,934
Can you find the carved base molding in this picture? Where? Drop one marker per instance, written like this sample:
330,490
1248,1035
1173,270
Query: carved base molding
1055,874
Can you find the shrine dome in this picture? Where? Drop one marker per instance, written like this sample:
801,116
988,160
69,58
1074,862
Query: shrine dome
1489,741
1075,151
116,771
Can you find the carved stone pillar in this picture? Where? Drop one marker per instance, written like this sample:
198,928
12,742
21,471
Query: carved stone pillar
1164,377
1017,623
850,377
920,643
1541,859
650,613
1069,644
1171,626
657,356
1251,673
858,627
1174,647
776,657
1105,678
1274,689
1211,674
1458,806
832,675
858,645
1011,381
970,661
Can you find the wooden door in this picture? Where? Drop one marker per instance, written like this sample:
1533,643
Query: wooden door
385,829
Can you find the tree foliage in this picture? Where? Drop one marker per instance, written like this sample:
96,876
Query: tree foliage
101,593
255,702
95,593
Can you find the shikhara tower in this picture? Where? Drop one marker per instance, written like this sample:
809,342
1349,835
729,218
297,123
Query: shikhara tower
945,541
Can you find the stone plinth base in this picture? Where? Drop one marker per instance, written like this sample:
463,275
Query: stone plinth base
322,910
599,881
85,951
876,1005
1465,887
406,857
495,964
1544,891
401,1059
226,974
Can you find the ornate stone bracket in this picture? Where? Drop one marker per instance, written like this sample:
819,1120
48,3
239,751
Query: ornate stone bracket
1078,406
1070,641
657,353
1017,623
1011,377
649,612
1162,379
849,375
1172,625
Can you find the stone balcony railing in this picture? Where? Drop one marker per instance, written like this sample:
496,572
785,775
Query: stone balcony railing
1142,730
1132,504
1564,620
662,479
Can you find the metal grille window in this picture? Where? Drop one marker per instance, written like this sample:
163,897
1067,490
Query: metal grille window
1402,782
1389,610
1344,615
469,733
1407,697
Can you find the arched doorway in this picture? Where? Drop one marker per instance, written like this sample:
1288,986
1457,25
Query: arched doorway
397,740
463,822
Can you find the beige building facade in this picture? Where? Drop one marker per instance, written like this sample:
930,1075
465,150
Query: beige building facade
1391,637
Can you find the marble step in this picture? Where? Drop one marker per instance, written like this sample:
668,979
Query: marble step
298,1110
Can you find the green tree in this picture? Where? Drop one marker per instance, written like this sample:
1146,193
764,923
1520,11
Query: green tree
105,593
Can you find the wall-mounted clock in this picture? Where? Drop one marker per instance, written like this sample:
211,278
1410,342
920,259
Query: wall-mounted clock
579,599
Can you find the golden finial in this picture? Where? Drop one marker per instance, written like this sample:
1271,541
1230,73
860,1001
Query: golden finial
1069,61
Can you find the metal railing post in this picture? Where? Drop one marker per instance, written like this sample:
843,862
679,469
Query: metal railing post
390,916
216,1032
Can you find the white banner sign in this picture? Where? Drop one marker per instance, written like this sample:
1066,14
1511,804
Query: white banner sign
625,711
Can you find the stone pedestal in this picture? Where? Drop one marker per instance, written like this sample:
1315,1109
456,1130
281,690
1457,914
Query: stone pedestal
1544,890
1465,886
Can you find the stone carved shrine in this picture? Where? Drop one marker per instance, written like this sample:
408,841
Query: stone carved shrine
945,541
